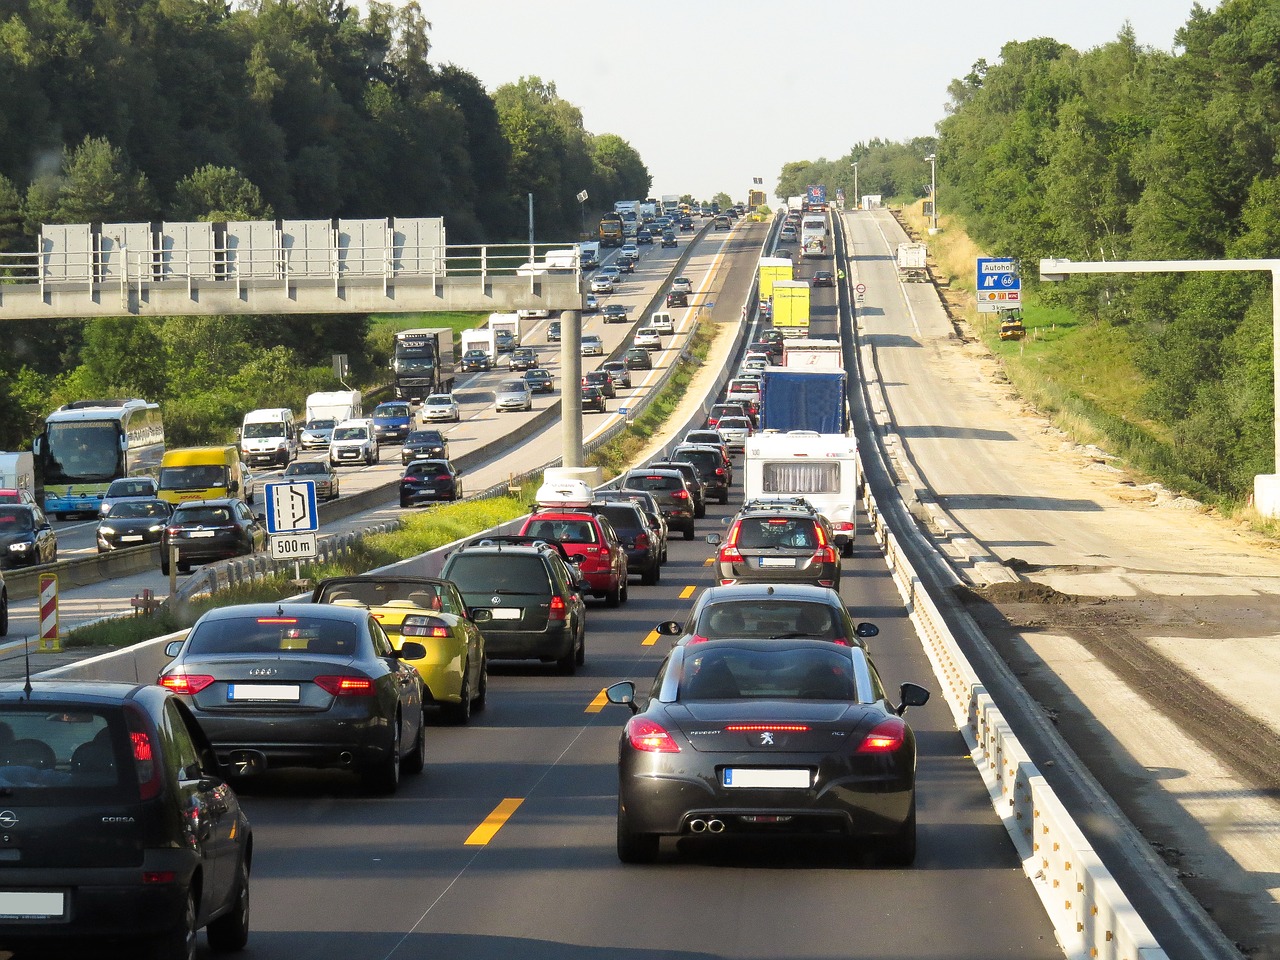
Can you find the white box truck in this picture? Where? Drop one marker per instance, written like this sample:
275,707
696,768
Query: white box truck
325,410
18,472
821,467
812,354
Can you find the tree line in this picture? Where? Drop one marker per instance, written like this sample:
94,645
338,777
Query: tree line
149,110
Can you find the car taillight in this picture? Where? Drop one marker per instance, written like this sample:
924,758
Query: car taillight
642,541
825,555
649,737
559,609
145,763
423,627
842,525
680,494
443,476
188,683
340,686
887,736
730,554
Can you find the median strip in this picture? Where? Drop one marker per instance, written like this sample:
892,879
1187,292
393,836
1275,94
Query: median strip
482,834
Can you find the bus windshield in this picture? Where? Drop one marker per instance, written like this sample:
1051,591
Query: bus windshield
82,452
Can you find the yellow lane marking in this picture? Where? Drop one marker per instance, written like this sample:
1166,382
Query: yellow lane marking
650,640
687,592
482,834
596,705
707,562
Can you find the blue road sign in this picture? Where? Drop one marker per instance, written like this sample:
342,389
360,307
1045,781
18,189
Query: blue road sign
291,507
998,274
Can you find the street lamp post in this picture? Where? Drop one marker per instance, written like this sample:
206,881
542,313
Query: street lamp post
933,190
857,197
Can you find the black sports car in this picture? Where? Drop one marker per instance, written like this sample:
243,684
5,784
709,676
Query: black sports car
302,685
767,737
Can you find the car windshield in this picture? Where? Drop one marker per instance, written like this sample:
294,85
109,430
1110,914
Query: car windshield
260,431
275,635
740,673
131,488
513,386
397,410
321,424
422,468
425,436
138,510
763,619
653,482
439,400
351,433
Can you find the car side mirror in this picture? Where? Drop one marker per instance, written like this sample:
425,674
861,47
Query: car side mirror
669,628
911,695
865,630
411,650
173,648
624,693
713,539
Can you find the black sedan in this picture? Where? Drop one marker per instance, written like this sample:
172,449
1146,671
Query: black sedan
203,531
127,831
132,523
823,278
769,611
614,313
429,481
424,443
540,380
26,537
767,738
302,685
593,399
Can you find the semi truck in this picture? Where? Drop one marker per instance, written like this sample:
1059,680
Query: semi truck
773,269
424,362
808,399
610,231
806,354
791,307
670,204
913,261
816,197
822,468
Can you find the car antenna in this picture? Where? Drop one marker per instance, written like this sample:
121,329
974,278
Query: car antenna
279,609
26,653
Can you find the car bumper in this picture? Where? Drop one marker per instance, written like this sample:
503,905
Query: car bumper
826,575
122,541
553,643
427,496
207,552
350,740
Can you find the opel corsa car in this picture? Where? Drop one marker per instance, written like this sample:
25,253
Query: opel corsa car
754,738
120,830
302,685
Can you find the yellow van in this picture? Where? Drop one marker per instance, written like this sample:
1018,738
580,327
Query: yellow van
204,473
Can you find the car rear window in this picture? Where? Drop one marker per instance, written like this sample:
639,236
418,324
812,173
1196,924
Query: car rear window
61,749
707,461
274,635
768,619
740,673
642,481
202,515
623,517
776,532
566,531
498,573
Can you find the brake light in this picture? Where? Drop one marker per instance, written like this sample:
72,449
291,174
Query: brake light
649,737
642,541
144,759
825,555
757,727
680,494
559,609
423,627
887,736
443,476
159,876
719,471
345,686
187,683
842,525
277,619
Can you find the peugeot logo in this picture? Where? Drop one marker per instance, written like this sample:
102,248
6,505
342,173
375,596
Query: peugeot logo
8,819
766,739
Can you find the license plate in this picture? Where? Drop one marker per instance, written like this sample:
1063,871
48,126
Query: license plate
263,691
32,905
779,777
505,613
777,562
196,534
131,538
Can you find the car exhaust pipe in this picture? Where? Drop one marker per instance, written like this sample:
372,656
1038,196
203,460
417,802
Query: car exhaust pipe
697,826
715,826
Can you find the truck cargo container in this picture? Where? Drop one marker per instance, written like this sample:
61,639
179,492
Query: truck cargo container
773,269
791,307
803,400
424,362
805,354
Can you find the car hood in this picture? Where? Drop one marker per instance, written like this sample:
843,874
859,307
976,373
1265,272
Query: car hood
16,537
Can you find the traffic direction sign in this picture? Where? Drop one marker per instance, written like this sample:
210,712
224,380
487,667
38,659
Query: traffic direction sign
999,285
291,507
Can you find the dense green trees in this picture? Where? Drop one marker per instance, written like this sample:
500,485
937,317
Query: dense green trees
141,110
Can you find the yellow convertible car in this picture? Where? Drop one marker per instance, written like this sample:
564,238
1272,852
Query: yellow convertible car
455,672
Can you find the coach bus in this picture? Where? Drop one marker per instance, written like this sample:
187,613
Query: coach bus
814,241
86,444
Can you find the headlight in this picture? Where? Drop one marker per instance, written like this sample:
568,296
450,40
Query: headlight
106,529
19,547
155,528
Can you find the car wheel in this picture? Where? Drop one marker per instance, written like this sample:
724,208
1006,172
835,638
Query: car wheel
4,614
460,712
614,597
568,664
403,503
688,532
230,931
701,509
580,657
625,591
650,576
180,942
482,686
384,776
164,564
900,849
416,761
184,567
635,847
724,497
847,549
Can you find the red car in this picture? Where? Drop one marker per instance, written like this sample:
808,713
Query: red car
601,558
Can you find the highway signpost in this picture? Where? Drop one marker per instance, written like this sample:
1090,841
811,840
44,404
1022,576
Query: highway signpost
999,285
292,519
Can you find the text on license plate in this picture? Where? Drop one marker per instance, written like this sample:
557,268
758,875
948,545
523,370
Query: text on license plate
777,562
131,538
505,613
32,904
262,691
795,779
201,533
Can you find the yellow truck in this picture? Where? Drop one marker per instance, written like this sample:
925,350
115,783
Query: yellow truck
204,473
791,307
773,269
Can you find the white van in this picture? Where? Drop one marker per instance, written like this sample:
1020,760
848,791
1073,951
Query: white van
269,436
354,441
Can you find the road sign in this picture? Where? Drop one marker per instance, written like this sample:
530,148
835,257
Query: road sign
293,546
999,285
860,289
291,507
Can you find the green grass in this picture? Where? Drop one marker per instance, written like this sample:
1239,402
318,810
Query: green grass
392,323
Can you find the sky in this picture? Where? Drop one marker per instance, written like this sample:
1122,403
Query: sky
712,93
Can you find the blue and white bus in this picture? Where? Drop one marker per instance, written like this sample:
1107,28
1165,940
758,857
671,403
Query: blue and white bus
87,444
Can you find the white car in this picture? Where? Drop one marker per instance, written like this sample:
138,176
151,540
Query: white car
682,285
662,322
602,285
592,345
513,395
440,406
317,434
629,250
735,431
354,441
648,338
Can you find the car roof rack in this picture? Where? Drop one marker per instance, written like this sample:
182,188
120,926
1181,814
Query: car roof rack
515,540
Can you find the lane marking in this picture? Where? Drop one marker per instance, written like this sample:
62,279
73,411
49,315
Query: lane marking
650,639
707,562
688,592
482,834
598,704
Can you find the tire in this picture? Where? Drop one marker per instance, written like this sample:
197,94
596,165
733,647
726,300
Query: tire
650,577
568,664
460,713
580,657
625,592
384,777
724,497
230,932
614,597
164,565
180,942
403,503
184,567
900,849
847,549
482,686
688,533
700,510
635,847
416,761
4,614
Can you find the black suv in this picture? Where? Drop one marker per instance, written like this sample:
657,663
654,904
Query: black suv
692,480
526,595
671,492
781,540
709,462
208,530
649,506
173,854
641,541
